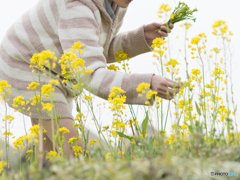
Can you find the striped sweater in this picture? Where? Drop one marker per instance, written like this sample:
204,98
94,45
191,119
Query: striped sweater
55,25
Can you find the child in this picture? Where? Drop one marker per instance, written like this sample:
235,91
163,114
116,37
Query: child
55,25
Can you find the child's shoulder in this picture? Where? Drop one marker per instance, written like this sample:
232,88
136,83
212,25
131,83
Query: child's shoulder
92,4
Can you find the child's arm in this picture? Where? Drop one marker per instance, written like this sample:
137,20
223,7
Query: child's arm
132,42
78,23
137,41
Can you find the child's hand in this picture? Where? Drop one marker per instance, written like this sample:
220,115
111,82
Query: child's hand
151,33
165,87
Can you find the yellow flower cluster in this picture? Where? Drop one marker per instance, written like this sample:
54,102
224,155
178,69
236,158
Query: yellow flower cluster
77,150
217,72
35,130
71,64
195,40
36,100
172,63
92,142
52,155
196,72
113,67
158,42
44,59
72,140
120,55
164,8
116,99
79,117
8,118
221,25
77,47
33,85
19,101
7,133
4,89
47,106
47,89
63,130
19,142
143,88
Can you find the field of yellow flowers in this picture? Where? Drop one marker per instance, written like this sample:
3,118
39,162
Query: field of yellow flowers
203,137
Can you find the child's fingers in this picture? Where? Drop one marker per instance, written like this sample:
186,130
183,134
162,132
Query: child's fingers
171,26
162,33
166,29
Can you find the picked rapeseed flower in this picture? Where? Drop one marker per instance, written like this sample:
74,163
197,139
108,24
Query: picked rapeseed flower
180,13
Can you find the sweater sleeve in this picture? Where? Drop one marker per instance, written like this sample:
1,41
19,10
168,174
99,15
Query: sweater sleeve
132,42
78,24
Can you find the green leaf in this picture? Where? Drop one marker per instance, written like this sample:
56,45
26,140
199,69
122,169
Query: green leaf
145,124
124,136
198,109
78,109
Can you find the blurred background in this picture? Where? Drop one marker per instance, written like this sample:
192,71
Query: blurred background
144,12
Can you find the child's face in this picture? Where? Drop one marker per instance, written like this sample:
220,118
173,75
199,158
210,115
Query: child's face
122,3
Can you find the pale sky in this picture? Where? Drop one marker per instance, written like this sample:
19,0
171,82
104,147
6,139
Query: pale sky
144,12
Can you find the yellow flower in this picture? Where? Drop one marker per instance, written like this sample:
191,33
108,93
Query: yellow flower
92,142
8,118
195,40
43,59
51,155
113,67
120,55
36,99
196,72
18,142
142,87
47,89
77,150
184,126
113,132
158,42
6,133
164,8
116,99
63,130
33,85
29,151
107,156
47,106
77,46
72,140
54,82
35,130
